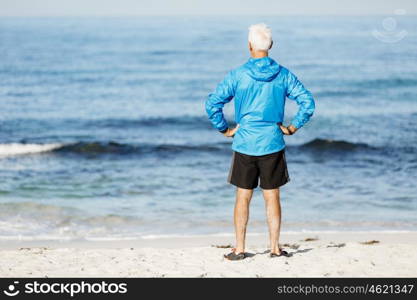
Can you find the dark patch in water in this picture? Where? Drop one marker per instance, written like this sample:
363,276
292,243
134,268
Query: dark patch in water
334,145
97,148
388,83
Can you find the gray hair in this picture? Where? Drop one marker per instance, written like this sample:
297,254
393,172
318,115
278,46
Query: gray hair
260,37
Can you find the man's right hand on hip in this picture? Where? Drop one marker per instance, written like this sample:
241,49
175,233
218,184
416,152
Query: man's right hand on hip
231,132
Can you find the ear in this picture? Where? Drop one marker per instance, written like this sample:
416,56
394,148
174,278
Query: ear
272,42
250,46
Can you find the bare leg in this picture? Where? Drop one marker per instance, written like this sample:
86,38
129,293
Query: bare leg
273,213
241,217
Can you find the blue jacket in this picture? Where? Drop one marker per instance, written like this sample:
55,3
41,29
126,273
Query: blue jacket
259,88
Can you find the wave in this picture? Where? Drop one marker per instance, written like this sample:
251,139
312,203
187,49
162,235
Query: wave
101,148
21,149
113,148
117,148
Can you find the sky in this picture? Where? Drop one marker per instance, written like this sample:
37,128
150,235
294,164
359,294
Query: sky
203,7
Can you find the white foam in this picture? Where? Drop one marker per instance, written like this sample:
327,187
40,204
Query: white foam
21,149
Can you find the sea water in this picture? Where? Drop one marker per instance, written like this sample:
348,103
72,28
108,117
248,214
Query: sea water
103,132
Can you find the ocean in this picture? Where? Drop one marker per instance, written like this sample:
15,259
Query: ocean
103,132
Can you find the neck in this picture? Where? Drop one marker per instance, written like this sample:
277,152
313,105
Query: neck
259,54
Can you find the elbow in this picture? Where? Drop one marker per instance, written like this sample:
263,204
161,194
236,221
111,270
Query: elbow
305,114
310,106
209,107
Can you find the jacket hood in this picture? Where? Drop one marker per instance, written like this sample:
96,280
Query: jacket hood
262,69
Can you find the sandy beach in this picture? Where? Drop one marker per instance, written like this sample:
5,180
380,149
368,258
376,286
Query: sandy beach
106,138
314,254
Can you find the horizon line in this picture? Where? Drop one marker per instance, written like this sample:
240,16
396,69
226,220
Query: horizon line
200,15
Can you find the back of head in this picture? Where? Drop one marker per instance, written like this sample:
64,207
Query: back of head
260,37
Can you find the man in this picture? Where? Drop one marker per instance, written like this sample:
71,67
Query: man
259,88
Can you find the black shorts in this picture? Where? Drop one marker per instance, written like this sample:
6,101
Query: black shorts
270,169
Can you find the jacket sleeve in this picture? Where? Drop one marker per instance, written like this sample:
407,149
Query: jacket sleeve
297,92
215,102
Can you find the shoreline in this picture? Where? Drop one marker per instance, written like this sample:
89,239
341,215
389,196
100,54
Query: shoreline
314,254
180,241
